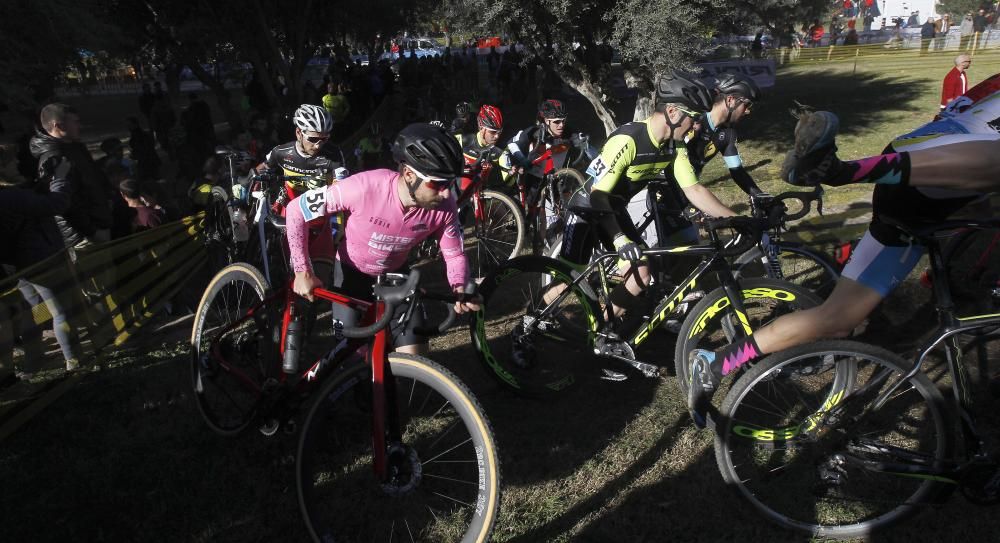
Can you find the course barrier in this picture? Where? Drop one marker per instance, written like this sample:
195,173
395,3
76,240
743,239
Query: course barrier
107,292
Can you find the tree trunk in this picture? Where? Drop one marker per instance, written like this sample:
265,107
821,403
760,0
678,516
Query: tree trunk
593,94
644,100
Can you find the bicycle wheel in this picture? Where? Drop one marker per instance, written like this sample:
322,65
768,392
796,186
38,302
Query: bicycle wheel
445,475
799,265
219,237
800,437
278,269
231,349
973,259
529,335
713,324
498,237
550,223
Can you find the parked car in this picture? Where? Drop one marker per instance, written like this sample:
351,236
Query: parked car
419,47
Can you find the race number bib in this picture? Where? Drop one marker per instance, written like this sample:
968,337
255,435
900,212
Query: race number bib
597,168
313,203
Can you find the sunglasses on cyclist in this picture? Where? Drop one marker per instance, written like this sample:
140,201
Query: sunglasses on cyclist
695,115
317,139
436,183
557,121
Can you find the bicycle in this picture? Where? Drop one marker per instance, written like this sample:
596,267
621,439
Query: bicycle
840,438
544,204
773,257
532,304
391,445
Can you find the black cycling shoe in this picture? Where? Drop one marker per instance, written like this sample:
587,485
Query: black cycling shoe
702,383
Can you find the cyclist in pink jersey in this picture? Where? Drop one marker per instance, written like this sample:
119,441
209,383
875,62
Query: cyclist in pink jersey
388,214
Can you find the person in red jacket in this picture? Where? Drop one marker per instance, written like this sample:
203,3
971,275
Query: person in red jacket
956,82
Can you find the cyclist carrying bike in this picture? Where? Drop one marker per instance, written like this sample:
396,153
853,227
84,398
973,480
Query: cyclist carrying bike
551,131
479,148
389,214
633,155
923,177
308,162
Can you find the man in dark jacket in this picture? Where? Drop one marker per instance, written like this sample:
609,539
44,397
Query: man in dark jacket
66,168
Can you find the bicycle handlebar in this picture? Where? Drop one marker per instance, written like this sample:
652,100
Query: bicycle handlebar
391,296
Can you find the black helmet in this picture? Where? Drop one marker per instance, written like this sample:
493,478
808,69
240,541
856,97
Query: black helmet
428,149
463,109
738,85
552,109
675,88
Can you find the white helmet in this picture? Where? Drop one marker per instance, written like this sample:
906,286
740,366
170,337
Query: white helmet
312,118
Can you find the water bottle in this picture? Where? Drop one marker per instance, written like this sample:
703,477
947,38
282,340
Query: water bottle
241,230
293,340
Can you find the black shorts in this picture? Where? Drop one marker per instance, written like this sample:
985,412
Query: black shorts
355,284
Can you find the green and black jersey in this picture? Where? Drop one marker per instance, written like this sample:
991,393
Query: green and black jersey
632,157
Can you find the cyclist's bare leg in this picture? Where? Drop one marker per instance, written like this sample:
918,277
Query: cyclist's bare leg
845,309
637,279
420,349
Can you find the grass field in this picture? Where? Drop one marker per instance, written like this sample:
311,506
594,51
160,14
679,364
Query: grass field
124,455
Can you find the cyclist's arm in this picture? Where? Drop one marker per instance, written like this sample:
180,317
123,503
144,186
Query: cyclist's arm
519,146
608,169
731,155
699,196
449,237
311,205
270,161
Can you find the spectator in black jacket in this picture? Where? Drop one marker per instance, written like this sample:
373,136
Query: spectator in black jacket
143,152
67,169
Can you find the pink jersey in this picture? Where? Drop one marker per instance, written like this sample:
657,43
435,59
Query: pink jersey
380,232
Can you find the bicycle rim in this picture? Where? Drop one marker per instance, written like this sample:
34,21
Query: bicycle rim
230,351
712,324
782,447
446,476
528,335
798,265
498,237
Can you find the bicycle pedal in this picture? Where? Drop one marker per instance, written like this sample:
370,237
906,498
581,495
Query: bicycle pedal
269,427
611,375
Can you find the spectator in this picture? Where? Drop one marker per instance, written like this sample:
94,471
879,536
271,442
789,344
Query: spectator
926,35
816,32
199,130
145,216
143,152
146,101
163,120
114,153
256,96
67,167
979,23
941,27
335,102
851,38
967,31
914,19
955,81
